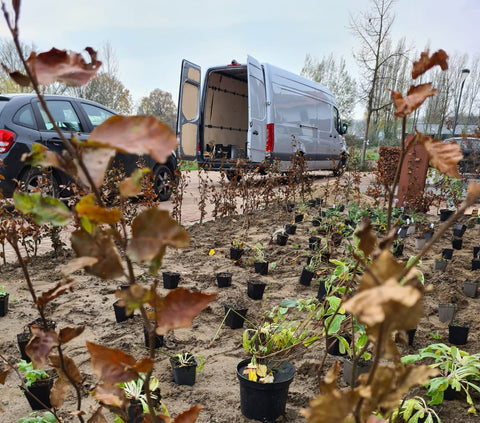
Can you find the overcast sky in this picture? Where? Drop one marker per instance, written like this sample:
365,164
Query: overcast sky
151,37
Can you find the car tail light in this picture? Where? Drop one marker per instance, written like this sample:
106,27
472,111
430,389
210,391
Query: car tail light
270,138
6,140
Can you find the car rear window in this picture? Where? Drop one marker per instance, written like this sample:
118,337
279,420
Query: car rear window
96,115
24,117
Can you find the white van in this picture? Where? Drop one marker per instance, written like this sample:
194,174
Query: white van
250,114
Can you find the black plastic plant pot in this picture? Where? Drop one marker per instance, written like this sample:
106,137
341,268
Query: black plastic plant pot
362,367
265,402
402,233
289,207
427,235
411,335
447,253
41,390
235,317
224,279
476,264
290,229
236,253
446,312
298,218
459,229
255,289
22,340
398,250
445,214
120,313
38,322
322,292
316,222
158,339
470,288
476,252
314,242
183,375
282,239
306,277
449,394
170,280
312,203
261,267
458,335
457,243
334,345
4,305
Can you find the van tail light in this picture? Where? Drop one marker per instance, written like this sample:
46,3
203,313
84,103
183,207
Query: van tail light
7,139
270,138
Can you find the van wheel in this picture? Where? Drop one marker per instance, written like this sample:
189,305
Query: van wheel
39,180
162,182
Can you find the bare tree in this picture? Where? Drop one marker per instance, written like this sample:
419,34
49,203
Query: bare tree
9,58
335,77
160,104
373,29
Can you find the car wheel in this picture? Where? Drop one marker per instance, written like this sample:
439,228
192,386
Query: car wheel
162,182
39,180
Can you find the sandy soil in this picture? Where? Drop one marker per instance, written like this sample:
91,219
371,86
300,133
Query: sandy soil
217,388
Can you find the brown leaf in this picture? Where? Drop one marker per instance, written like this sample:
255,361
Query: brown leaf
59,391
63,66
473,194
132,186
110,394
55,292
415,97
68,333
189,416
18,77
96,214
152,231
132,298
443,156
368,239
40,345
382,268
112,365
97,161
135,135
3,376
41,156
101,246
97,417
425,63
68,364
77,264
400,305
178,308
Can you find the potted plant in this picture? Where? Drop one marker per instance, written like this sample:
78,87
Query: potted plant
397,248
308,272
35,417
290,228
255,289
420,241
170,280
224,279
259,262
235,316
415,410
3,301
446,311
447,253
440,264
470,288
459,371
185,367
266,376
38,384
457,243
356,364
236,250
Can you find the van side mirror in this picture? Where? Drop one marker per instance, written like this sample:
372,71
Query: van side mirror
344,128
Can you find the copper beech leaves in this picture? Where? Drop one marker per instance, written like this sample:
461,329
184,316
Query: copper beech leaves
425,62
443,156
132,186
63,66
68,333
40,156
110,394
53,293
99,245
97,417
135,135
368,239
178,308
77,264
189,416
415,97
133,298
40,345
62,385
97,161
43,209
152,231
96,214
112,365
473,193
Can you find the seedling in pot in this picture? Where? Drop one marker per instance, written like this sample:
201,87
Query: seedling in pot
35,417
31,375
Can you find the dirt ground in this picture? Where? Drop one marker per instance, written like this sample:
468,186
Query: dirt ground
217,387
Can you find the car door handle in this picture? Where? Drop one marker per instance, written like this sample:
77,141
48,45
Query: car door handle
255,132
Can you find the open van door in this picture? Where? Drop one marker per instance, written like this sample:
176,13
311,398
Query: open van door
188,110
257,111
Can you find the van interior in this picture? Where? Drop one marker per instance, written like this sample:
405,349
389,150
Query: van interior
226,114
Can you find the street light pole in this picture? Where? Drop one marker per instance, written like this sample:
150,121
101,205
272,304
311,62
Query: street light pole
465,73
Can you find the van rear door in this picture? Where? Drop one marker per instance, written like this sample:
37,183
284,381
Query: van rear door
188,110
257,113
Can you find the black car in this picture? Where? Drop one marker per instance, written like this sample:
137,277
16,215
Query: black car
471,154
24,122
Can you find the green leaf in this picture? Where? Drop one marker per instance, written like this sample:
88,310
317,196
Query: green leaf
290,302
336,323
43,209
